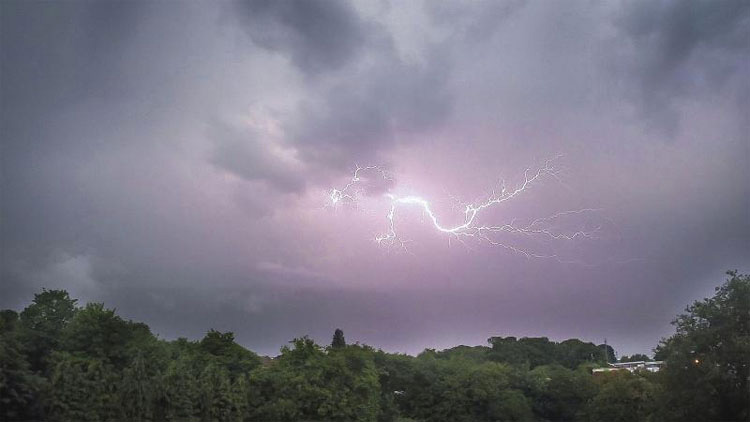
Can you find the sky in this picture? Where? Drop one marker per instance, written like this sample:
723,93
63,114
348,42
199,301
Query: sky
174,160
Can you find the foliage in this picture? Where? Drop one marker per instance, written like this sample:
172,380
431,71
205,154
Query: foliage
19,387
559,392
42,323
536,351
98,333
309,384
83,389
638,357
708,358
232,357
624,397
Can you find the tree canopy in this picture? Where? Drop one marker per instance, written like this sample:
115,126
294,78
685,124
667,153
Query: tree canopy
708,358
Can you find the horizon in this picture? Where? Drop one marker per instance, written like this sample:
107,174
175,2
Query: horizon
322,341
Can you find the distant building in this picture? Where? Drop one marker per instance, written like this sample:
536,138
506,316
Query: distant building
652,366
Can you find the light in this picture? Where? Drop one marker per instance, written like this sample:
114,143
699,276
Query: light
470,228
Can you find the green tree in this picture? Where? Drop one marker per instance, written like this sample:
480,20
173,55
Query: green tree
83,389
624,397
476,354
507,350
19,387
638,357
306,383
338,339
536,351
235,359
510,405
240,398
180,389
462,390
573,352
559,393
137,389
42,323
609,354
215,394
97,332
395,375
8,321
708,358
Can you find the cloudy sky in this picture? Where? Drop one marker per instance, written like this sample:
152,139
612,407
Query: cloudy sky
173,160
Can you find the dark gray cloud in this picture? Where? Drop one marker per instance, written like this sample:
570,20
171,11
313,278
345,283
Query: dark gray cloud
173,162
475,22
61,53
317,35
247,154
354,114
672,31
684,48
371,111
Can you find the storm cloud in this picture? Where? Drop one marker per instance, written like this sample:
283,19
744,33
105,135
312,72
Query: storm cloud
317,36
173,161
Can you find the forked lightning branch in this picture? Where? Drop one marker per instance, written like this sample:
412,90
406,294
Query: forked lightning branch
472,224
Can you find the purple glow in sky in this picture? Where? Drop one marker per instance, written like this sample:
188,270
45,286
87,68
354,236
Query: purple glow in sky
174,160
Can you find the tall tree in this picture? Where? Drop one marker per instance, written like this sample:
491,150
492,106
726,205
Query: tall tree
338,339
136,390
19,387
708,358
97,332
181,392
215,401
42,323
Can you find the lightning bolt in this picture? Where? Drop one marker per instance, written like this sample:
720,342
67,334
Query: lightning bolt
350,191
470,226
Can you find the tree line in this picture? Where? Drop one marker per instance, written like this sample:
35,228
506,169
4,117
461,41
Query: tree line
64,362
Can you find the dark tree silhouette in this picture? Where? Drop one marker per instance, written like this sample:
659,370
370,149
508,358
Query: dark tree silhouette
708,358
338,339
